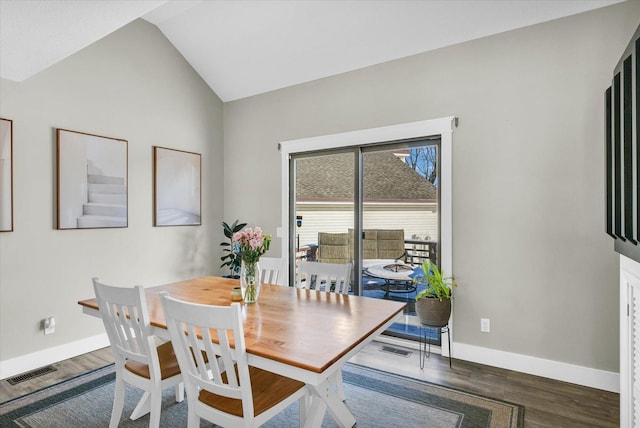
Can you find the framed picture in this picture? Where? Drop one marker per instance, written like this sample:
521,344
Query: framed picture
91,188
176,187
6,175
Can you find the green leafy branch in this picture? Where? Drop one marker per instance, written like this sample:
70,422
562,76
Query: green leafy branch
438,285
231,258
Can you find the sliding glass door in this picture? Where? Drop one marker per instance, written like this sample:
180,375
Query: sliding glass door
375,206
400,222
420,240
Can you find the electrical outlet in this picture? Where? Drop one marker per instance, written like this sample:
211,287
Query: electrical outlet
485,325
49,325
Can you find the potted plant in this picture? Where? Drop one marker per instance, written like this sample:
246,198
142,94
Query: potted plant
433,304
232,257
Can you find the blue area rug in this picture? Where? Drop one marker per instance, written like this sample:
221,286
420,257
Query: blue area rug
376,399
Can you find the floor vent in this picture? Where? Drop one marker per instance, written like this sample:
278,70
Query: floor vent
30,375
396,351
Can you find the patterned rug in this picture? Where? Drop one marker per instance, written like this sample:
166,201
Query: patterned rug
376,399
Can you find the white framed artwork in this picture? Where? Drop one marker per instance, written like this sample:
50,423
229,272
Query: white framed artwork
176,187
91,188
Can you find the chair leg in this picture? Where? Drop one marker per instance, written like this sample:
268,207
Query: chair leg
193,420
118,403
180,392
156,408
143,407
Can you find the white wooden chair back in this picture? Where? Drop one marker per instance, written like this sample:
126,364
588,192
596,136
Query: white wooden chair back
210,346
321,276
139,362
224,323
126,320
272,270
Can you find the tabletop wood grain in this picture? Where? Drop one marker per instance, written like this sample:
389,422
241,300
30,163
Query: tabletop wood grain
304,328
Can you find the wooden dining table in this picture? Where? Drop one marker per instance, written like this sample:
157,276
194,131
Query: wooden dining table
303,334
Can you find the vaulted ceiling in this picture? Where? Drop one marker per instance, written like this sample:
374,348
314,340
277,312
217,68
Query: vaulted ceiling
244,48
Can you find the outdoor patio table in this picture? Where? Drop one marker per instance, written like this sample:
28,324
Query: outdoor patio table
397,276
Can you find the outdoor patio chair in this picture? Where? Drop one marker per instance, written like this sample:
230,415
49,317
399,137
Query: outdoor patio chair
333,247
380,246
229,393
139,362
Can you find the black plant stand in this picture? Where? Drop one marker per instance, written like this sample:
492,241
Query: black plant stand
425,343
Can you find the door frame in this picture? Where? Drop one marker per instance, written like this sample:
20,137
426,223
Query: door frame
427,128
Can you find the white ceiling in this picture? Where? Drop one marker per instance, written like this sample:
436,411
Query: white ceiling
244,48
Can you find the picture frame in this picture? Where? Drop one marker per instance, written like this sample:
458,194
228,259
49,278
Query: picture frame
6,175
91,181
177,181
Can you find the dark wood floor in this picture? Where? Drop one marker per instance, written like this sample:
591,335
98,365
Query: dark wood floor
65,370
548,403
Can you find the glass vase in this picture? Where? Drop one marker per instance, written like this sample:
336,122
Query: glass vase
250,281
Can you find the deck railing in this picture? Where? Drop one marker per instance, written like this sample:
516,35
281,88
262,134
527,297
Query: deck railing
418,251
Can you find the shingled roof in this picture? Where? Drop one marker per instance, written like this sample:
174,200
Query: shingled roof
386,178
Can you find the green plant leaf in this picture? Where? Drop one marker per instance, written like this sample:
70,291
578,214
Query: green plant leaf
238,227
438,285
231,259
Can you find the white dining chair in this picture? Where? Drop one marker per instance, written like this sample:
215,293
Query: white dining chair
271,270
229,392
331,278
139,361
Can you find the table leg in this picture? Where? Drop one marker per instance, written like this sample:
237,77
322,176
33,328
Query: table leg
388,283
314,412
324,396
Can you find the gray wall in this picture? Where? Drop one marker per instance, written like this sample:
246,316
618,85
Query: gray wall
529,250
133,85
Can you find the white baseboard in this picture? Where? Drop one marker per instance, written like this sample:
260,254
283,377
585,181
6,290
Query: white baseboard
25,363
579,375
585,376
